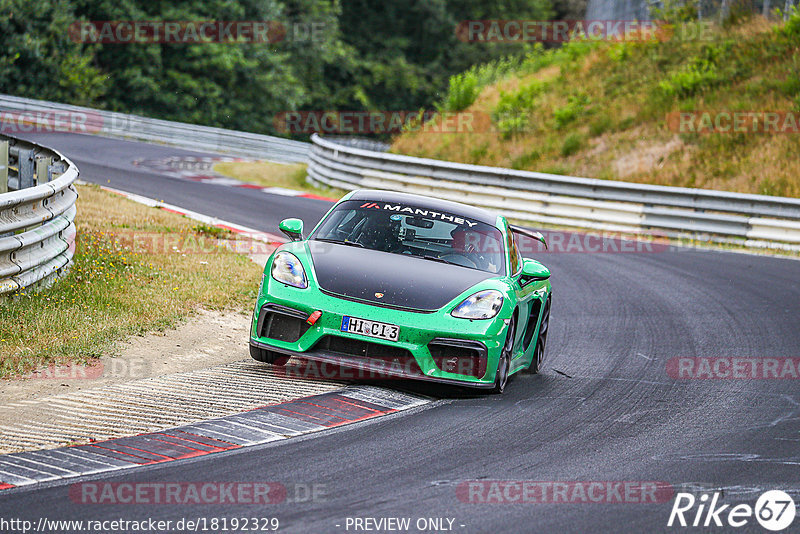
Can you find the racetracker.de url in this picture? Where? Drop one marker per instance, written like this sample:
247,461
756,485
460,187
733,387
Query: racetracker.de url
185,524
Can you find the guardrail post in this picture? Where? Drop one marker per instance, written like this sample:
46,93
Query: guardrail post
25,171
55,170
3,166
43,169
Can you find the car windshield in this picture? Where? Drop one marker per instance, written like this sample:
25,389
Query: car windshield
423,233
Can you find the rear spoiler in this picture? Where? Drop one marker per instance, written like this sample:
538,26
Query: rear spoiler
529,233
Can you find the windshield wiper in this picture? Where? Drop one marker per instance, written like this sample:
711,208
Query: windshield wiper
440,260
337,242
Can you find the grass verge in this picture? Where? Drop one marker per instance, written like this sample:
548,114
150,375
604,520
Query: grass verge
137,269
270,174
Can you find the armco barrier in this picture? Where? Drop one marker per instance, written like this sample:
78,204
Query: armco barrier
756,220
37,210
28,113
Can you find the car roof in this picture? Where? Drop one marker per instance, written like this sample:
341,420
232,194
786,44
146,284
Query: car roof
424,202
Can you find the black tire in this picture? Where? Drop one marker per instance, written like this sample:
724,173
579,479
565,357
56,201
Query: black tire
268,356
541,340
504,363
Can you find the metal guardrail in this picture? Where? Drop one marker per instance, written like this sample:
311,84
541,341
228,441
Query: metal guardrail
720,216
37,210
64,117
534,197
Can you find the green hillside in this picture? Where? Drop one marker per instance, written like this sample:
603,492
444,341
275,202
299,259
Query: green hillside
612,110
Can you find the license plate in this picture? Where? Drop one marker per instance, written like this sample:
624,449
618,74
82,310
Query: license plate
370,328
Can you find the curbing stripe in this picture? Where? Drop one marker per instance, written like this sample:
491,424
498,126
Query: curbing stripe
191,445
85,457
12,466
12,480
42,467
217,445
389,398
262,425
56,459
115,454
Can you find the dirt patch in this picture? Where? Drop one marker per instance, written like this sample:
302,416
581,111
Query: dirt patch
208,338
646,157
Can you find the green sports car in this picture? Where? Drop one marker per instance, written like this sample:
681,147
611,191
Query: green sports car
405,286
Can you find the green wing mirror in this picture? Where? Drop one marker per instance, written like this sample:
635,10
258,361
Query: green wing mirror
533,270
293,228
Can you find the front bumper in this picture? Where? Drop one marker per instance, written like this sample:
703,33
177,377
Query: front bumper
366,367
419,334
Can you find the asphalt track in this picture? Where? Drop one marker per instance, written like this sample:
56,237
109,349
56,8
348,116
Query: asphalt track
604,408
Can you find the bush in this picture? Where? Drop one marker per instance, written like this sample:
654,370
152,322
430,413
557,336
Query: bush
512,110
675,11
571,111
511,124
524,161
702,72
479,152
600,125
619,52
462,92
464,88
572,143
792,27
689,80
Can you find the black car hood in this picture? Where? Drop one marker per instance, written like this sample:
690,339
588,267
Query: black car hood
403,281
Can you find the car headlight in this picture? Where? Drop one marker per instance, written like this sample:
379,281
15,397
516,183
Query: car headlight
482,305
287,269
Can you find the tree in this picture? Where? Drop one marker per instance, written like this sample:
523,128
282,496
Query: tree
38,59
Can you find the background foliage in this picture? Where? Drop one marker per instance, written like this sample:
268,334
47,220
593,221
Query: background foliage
392,55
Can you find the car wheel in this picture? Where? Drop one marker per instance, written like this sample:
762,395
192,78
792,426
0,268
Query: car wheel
504,363
268,356
541,341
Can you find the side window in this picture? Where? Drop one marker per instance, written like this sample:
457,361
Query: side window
513,251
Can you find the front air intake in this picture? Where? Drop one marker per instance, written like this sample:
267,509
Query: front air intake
282,323
459,356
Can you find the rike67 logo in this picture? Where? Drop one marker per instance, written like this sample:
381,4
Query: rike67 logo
774,510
